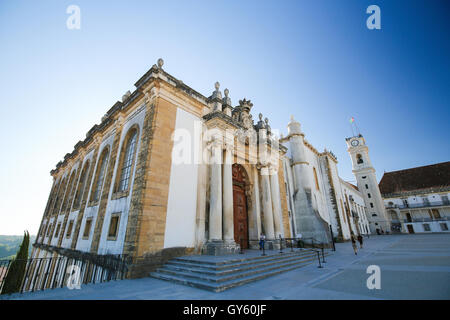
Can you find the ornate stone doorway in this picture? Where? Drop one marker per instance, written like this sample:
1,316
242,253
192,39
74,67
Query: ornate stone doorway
240,214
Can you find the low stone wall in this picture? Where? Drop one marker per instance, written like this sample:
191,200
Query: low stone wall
142,266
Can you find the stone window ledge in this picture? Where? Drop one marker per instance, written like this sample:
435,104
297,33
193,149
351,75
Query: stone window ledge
93,203
121,194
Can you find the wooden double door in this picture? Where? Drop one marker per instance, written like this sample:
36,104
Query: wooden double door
240,215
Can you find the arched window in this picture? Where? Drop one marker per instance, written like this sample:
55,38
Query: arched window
54,194
81,186
59,196
315,178
359,159
68,195
127,160
100,175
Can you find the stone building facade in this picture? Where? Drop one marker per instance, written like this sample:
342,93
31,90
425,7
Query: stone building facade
170,172
417,199
321,205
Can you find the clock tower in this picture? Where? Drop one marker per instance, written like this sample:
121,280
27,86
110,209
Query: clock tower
367,184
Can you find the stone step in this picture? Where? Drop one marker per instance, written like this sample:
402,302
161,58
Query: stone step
218,276
239,258
219,287
238,273
235,268
229,264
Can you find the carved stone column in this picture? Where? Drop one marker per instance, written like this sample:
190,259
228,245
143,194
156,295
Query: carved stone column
276,202
217,244
254,217
215,210
267,203
228,221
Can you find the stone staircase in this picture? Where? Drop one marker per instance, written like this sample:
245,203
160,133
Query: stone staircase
215,274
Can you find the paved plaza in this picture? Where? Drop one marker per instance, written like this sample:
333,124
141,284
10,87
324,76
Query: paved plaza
412,267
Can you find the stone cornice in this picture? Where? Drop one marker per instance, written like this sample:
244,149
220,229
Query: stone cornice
415,192
156,75
156,72
222,116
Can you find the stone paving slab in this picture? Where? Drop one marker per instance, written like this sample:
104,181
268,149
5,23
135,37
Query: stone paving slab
420,272
399,284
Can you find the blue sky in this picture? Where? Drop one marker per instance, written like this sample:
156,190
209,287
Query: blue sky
313,59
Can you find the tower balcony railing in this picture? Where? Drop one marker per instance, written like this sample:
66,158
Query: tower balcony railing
424,220
426,204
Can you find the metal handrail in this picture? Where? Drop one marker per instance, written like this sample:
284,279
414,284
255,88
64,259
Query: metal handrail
51,272
320,252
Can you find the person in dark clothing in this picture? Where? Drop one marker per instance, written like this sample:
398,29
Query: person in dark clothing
262,239
355,248
360,240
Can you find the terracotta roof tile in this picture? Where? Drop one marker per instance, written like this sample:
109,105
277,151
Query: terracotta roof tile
419,178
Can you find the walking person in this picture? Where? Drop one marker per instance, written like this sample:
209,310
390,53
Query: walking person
360,240
355,248
262,239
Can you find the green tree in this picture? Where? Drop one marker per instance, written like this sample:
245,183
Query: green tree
16,271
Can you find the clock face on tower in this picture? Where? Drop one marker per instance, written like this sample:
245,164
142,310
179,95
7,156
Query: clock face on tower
355,143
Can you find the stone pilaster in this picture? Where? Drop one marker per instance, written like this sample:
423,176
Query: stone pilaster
201,197
267,203
228,223
215,213
276,204
255,213
284,202
142,162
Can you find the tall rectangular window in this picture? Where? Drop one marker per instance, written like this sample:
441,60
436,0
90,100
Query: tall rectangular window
127,162
69,229
81,186
113,226
42,233
49,229
57,230
87,228
100,175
